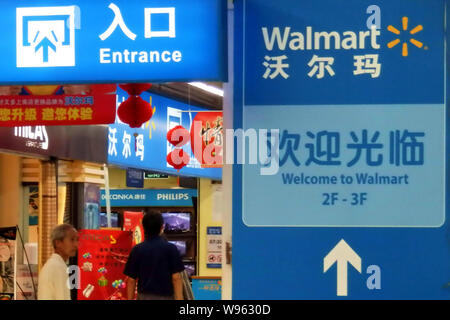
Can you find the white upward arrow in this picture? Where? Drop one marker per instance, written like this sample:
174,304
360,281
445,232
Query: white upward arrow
342,254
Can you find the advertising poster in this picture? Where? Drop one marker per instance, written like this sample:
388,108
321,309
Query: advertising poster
57,105
102,255
7,262
33,205
208,130
214,239
91,206
132,221
25,278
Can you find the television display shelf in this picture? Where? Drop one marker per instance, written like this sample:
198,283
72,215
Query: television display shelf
172,236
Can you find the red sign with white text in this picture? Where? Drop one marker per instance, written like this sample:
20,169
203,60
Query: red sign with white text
102,255
57,105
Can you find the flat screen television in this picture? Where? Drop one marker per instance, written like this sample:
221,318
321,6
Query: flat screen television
181,246
114,220
190,269
177,222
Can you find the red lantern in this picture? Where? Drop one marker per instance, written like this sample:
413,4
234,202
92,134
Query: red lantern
135,89
178,136
135,111
178,159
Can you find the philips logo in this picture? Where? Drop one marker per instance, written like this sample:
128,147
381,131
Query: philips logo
172,196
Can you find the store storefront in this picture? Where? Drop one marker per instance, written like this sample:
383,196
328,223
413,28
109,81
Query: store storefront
177,206
39,166
56,172
190,194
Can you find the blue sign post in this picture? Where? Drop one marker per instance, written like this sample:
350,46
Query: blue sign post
82,41
355,94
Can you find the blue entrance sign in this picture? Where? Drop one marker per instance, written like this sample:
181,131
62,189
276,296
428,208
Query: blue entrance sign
147,147
355,93
149,198
81,41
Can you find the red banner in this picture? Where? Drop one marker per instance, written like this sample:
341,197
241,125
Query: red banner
57,105
207,130
132,221
102,255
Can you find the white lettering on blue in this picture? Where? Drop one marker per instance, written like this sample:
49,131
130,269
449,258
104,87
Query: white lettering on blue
107,56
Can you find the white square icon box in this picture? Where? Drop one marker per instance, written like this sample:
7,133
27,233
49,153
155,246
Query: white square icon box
149,33
45,37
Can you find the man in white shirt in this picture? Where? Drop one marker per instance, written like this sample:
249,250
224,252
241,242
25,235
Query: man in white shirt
53,278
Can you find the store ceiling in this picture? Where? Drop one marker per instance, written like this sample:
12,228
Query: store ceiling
186,93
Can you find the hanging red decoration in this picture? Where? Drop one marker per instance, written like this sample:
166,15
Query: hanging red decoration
178,136
135,111
135,89
178,159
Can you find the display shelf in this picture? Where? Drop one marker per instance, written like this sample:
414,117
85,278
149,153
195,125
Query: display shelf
171,236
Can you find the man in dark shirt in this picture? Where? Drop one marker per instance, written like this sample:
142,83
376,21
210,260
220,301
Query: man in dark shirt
155,264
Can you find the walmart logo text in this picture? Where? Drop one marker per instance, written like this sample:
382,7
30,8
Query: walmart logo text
314,40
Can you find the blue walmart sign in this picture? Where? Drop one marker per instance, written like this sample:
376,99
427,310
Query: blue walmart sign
147,147
357,199
102,41
353,63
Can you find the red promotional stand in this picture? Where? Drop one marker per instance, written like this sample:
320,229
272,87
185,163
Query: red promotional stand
102,255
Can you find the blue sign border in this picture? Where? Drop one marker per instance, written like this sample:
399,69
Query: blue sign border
88,45
411,273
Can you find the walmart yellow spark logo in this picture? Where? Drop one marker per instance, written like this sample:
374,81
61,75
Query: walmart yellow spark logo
415,42
151,124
